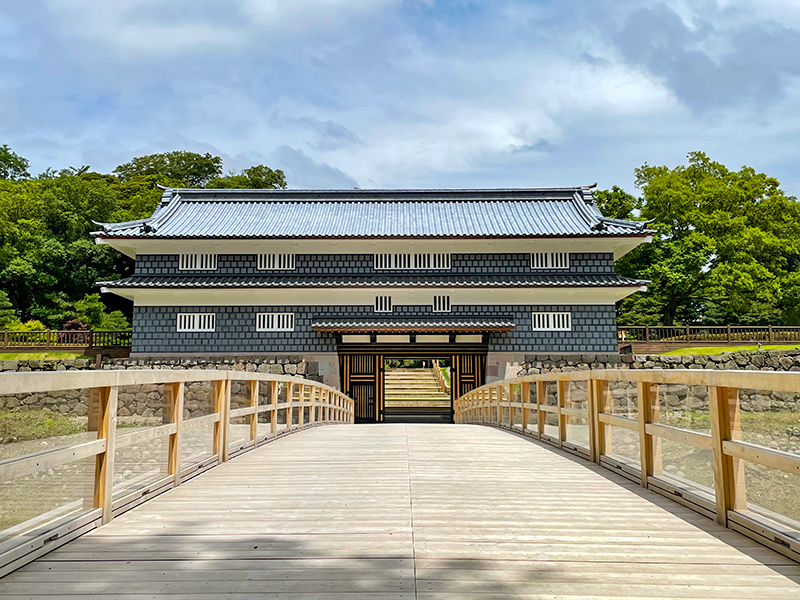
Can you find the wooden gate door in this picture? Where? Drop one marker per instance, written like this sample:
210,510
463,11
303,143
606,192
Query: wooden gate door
467,373
362,380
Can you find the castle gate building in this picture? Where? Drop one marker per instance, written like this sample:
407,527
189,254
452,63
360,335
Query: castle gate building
348,278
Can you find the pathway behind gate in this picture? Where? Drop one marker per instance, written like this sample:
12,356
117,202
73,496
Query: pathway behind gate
408,511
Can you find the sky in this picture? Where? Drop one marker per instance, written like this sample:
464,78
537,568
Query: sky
406,93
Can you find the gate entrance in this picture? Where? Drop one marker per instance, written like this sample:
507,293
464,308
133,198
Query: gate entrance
418,382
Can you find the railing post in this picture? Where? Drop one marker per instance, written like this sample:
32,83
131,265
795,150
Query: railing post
729,334
602,402
511,409
498,396
288,411
5,339
104,463
563,420
771,335
312,409
302,409
729,481
524,398
222,402
649,454
647,333
175,395
687,335
273,414
591,405
47,339
541,400
252,393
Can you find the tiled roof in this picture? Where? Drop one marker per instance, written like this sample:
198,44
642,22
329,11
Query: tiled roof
417,325
258,281
275,214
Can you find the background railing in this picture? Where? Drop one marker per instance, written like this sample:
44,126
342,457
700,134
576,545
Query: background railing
437,371
92,340
724,443
141,433
710,334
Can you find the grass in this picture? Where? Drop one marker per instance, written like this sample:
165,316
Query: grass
713,350
41,356
23,425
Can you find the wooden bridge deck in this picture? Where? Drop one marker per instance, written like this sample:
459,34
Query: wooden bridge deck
408,511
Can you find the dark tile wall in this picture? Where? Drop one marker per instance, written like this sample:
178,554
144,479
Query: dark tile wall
155,331
361,264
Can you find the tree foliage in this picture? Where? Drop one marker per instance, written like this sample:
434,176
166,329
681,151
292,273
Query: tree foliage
726,247
195,169
49,264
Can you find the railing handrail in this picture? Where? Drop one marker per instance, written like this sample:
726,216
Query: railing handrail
325,405
487,404
67,338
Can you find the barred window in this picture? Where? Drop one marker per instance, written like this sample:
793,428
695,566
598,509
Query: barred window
275,322
549,260
415,262
552,321
196,322
276,262
197,262
383,304
441,304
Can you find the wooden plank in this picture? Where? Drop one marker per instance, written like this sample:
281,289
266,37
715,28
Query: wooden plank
145,435
729,479
775,459
682,436
12,468
617,421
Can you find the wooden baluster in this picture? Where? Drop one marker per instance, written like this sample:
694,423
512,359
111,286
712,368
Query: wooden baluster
288,410
524,398
175,393
222,403
498,397
541,400
644,405
563,398
104,462
591,406
602,403
301,411
312,410
511,409
273,415
729,481
252,393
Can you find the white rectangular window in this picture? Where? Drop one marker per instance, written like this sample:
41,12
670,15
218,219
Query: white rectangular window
196,322
197,262
275,322
276,262
425,261
552,321
549,260
441,304
383,304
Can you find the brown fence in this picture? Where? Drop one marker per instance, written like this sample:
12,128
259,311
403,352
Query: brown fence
680,433
88,342
708,334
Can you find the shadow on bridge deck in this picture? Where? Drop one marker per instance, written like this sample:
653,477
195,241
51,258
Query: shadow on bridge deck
408,511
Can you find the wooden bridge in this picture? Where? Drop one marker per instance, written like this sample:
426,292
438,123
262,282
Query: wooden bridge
541,503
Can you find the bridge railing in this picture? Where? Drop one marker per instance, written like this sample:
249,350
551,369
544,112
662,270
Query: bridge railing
724,443
141,433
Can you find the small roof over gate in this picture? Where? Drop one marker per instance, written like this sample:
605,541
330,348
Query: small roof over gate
369,214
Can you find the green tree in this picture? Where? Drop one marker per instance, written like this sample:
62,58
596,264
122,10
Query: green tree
618,204
189,167
256,177
7,313
12,165
725,245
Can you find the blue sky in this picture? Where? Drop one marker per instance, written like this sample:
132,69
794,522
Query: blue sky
414,93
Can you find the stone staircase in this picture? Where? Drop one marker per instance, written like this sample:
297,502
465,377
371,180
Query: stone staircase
414,392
